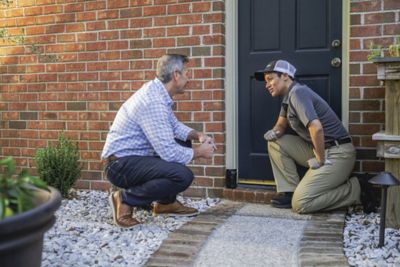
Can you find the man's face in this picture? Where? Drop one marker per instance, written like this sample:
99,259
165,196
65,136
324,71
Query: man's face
275,84
181,80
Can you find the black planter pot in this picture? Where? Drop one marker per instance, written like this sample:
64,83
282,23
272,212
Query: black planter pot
21,236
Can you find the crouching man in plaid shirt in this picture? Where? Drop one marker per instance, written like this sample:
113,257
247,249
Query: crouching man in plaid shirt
147,148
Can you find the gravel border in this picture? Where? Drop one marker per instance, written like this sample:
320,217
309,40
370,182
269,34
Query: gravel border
85,235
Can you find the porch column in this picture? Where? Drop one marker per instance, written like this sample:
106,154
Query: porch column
388,142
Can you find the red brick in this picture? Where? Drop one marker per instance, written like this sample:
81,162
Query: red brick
366,6
91,56
95,26
112,55
373,93
154,32
153,53
127,34
177,31
33,11
178,9
190,19
373,117
130,13
364,81
201,7
391,29
132,75
75,7
163,42
87,16
379,18
64,18
141,23
118,24
107,14
97,5
188,41
362,31
365,105
96,46
52,9
165,20
122,65
364,129
391,5
354,117
215,105
154,10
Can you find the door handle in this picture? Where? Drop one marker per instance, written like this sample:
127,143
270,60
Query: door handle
336,62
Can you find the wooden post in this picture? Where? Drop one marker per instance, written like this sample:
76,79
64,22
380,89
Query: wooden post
389,142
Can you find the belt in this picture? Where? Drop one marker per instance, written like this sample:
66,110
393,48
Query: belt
109,159
337,142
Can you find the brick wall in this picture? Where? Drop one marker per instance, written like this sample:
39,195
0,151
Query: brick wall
374,21
90,56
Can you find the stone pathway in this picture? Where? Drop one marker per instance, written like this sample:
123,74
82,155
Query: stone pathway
320,241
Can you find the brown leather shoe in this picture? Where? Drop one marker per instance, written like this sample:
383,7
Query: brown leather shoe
174,209
122,213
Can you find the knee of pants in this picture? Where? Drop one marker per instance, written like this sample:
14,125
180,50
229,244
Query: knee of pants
299,205
184,176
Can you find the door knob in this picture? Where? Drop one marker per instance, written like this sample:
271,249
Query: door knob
336,62
336,43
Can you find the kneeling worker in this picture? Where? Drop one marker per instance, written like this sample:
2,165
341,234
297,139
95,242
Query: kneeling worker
322,144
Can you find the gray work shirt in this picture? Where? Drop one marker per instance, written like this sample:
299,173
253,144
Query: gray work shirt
301,105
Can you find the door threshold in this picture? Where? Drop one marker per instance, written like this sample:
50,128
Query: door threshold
256,182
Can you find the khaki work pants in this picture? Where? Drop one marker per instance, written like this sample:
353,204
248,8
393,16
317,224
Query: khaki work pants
326,188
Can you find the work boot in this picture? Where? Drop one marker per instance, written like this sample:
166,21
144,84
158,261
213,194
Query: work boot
122,213
174,209
283,201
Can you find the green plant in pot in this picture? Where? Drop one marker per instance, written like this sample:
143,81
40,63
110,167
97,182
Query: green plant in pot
27,207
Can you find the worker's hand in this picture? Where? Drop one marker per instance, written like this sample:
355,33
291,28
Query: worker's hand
314,164
271,135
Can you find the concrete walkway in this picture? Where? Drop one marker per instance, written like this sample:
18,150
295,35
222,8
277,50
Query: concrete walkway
242,234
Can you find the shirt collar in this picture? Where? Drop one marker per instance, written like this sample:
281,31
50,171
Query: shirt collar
163,92
285,99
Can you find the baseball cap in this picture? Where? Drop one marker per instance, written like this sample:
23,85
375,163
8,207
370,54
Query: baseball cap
276,66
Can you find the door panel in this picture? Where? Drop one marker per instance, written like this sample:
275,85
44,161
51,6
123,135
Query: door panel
299,31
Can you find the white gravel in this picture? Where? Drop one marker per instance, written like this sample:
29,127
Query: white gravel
361,238
84,233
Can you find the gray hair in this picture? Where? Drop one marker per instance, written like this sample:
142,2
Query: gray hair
169,63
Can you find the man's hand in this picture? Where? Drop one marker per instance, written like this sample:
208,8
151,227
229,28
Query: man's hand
314,164
271,135
205,150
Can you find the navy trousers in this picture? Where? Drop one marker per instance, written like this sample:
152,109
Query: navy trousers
145,179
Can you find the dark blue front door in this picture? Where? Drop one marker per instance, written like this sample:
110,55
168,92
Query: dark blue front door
307,33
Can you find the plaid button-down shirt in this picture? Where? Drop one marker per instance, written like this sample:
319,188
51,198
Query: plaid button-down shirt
145,125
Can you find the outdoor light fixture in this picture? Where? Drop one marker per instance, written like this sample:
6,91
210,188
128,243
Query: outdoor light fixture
383,179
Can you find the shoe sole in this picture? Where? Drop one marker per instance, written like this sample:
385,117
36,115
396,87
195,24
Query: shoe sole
282,206
177,214
114,213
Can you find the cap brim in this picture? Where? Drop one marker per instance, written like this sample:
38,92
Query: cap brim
259,75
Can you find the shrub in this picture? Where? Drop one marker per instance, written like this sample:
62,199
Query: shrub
59,165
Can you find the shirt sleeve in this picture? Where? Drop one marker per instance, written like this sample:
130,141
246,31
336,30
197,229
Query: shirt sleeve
301,100
181,131
157,125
